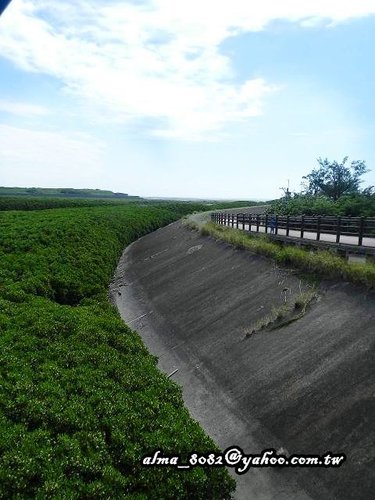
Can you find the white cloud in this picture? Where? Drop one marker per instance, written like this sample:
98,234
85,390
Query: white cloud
22,108
157,59
30,155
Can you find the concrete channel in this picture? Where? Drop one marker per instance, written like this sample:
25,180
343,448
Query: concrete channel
307,387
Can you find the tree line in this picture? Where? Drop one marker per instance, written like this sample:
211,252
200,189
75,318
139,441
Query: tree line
333,188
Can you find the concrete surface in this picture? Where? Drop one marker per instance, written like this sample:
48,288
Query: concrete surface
308,387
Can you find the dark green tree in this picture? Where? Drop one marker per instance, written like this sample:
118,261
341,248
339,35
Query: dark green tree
334,179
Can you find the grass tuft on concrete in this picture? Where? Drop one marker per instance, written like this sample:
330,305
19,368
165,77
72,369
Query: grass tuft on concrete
285,314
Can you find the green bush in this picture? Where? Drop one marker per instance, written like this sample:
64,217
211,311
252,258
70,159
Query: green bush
305,204
81,399
355,205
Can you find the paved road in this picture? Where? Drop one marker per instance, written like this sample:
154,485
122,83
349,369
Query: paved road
201,218
324,237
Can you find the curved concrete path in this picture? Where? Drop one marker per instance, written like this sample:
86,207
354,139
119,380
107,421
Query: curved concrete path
352,241
308,387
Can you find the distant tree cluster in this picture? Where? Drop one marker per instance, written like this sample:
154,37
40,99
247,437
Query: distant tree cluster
332,188
333,179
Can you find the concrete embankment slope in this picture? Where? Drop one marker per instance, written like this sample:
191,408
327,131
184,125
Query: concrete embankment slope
308,387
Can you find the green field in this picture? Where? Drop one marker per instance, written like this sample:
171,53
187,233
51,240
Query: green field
62,192
81,399
45,202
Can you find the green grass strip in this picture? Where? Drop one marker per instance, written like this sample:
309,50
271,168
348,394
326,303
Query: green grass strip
322,263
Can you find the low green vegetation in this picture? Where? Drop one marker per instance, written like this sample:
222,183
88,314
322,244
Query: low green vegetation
321,263
81,399
46,202
62,192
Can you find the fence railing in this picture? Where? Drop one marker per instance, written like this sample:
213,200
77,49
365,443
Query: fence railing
359,231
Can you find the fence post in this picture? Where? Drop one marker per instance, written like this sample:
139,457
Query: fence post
258,223
287,225
276,223
338,229
302,225
318,223
361,230
237,221
266,224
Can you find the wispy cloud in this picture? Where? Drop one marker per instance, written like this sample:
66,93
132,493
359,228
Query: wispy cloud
22,108
157,59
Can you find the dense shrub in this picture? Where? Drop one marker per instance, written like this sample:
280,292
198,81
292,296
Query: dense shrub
41,203
355,205
44,202
81,399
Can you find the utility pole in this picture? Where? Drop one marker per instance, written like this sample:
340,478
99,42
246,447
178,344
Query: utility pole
286,191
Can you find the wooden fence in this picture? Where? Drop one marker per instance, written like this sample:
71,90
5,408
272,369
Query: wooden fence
346,230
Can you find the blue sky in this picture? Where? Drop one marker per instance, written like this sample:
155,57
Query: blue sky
184,99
